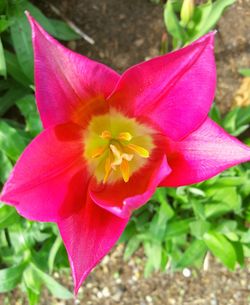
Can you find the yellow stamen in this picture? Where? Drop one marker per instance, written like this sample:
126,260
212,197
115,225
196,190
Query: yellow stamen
124,167
106,135
124,136
98,152
142,152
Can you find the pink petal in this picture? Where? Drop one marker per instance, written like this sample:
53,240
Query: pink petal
69,87
122,198
174,91
88,235
203,154
49,180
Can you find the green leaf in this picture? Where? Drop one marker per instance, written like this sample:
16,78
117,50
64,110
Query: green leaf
215,114
165,210
222,248
173,25
8,216
62,31
239,253
27,106
53,252
32,285
12,141
196,250
10,277
211,13
21,38
132,245
14,69
54,287
154,255
244,72
199,227
5,167
178,227
3,71
4,23
10,97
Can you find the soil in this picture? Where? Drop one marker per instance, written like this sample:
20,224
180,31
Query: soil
127,32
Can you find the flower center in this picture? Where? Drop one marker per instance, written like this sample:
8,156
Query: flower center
116,146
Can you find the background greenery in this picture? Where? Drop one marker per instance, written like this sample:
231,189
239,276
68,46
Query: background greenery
176,228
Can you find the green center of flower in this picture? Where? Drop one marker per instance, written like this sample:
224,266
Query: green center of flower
116,146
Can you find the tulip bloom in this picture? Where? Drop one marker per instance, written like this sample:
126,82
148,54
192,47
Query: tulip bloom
109,140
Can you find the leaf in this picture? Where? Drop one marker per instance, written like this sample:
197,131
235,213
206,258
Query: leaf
14,69
27,106
54,287
14,93
166,209
12,141
196,250
173,26
4,23
177,227
32,285
21,38
8,216
62,31
239,253
215,114
244,72
154,255
5,167
10,277
222,248
3,71
211,13
132,245
199,227
53,252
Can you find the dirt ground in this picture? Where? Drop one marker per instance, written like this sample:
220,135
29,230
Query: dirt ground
126,32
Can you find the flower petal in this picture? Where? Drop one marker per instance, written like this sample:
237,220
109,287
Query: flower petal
88,235
49,180
122,198
203,154
69,86
174,91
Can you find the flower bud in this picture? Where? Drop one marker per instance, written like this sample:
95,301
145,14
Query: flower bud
187,11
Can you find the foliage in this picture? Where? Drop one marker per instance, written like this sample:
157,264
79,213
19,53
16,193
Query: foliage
186,22
176,228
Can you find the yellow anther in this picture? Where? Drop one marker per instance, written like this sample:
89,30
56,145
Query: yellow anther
124,167
140,151
98,152
124,136
106,135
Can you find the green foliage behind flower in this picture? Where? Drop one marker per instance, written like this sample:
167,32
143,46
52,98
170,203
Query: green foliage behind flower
186,22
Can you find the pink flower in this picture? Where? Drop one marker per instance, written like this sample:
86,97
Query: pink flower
109,140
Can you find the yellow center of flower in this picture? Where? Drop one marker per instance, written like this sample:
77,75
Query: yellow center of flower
116,146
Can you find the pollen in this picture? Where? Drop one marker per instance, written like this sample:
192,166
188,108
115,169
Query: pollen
116,147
